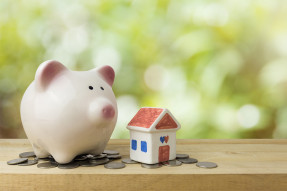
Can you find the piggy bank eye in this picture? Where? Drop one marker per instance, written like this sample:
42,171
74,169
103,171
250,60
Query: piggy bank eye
91,87
102,88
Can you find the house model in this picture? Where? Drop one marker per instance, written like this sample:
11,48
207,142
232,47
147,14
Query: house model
153,135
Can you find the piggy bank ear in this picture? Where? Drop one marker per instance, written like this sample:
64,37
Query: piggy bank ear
107,73
47,72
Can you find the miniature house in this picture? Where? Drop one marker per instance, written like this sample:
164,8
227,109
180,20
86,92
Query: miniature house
153,135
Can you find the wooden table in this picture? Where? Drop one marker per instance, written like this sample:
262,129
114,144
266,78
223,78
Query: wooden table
242,165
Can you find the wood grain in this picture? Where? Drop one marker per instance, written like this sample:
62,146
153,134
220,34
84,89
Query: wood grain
242,165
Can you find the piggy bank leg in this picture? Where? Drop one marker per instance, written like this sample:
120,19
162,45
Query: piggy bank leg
40,153
63,157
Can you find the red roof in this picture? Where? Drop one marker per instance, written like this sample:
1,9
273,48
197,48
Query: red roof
166,123
146,117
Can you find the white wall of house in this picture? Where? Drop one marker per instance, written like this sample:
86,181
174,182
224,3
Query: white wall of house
138,155
153,144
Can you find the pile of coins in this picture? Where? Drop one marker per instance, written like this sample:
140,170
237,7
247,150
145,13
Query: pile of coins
23,160
180,159
86,160
106,158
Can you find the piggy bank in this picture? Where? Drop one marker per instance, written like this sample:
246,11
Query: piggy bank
66,113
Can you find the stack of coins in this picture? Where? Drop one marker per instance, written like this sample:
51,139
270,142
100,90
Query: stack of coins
184,158
107,159
85,160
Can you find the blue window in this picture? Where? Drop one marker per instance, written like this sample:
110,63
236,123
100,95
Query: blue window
143,146
134,144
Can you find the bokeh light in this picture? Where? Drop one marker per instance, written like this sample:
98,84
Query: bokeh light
219,66
248,116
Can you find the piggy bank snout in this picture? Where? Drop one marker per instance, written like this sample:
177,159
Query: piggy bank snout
100,112
108,112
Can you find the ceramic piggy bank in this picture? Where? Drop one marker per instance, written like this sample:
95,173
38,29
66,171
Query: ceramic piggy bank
66,113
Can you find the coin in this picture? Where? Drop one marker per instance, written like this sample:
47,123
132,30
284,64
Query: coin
44,159
28,163
47,165
48,158
182,156
115,165
172,163
99,161
206,164
188,160
129,161
90,156
17,161
54,162
114,156
98,156
110,152
70,165
80,157
27,154
151,166
87,163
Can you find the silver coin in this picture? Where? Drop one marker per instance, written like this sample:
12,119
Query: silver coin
90,156
172,163
110,152
129,161
115,165
44,159
206,164
54,162
87,163
151,166
188,160
70,165
27,155
28,163
99,161
80,157
100,156
47,165
114,156
182,156
17,161
49,158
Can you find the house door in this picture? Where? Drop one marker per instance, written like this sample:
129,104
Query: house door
163,153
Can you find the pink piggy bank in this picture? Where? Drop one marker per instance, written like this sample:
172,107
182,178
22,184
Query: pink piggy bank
66,113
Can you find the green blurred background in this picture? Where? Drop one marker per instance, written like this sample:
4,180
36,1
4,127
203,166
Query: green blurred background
219,66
